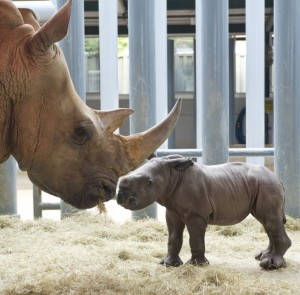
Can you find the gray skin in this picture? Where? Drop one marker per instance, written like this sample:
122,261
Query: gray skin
197,195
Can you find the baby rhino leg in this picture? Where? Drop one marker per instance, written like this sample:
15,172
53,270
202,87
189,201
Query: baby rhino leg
279,242
196,226
175,228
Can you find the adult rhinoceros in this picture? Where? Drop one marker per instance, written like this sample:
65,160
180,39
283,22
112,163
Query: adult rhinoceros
68,149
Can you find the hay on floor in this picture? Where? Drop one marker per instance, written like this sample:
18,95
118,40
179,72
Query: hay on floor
89,254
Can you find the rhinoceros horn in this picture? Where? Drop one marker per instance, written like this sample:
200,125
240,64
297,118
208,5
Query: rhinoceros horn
141,145
112,120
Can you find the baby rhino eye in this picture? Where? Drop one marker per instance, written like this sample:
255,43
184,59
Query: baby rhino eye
149,181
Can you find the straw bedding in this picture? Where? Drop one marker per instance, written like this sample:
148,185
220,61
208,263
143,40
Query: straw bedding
89,254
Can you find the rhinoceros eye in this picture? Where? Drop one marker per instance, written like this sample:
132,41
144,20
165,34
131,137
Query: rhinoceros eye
81,135
149,182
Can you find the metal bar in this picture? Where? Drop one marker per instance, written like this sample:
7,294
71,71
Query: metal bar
108,33
198,81
73,48
231,89
171,88
287,100
142,96
49,206
233,152
37,199
255,76
161,61
212,48
8,187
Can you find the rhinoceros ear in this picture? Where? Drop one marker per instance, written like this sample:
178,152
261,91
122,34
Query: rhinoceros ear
179,164
112,120
10,17
53,30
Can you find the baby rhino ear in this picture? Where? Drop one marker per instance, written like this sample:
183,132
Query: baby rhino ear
179,164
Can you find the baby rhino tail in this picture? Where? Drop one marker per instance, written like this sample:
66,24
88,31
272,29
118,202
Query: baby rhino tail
283,187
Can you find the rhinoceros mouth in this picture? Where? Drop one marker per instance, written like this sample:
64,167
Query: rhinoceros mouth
102,192
91,194
106,191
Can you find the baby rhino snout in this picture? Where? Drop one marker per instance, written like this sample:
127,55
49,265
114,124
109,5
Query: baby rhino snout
125,196
125,201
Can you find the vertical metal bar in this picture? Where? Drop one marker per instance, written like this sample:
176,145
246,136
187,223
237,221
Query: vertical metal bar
143,18
255,76
161,61
73,48
231,89
37,193
212,58
108,33
8,187
287,100
171,87
198,81
37,200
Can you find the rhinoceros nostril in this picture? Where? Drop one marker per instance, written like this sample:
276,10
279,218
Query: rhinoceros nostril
131,200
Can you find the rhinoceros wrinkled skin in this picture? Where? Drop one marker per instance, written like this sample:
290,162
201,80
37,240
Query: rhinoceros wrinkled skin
68,149
196,195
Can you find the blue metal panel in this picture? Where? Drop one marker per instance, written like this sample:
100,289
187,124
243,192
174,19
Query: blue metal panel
8,187
255,76
142,72
73,46
213,91
233,152
73,49
108,25
287,100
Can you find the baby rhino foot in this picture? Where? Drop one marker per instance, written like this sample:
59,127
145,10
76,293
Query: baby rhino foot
263,254
198,261
171,261
272,262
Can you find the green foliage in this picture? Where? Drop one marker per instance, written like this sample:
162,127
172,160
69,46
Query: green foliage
92,45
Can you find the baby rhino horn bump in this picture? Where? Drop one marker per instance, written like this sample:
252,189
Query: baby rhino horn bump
10,17
112,120
141,145
54,30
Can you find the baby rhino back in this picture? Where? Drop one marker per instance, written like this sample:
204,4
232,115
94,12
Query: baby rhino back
233,190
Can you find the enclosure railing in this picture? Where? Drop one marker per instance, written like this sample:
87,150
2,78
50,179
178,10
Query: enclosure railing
233,152
39,205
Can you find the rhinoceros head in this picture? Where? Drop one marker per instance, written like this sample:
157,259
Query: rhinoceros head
67,148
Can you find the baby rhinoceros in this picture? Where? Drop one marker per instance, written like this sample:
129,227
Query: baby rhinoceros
197,195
